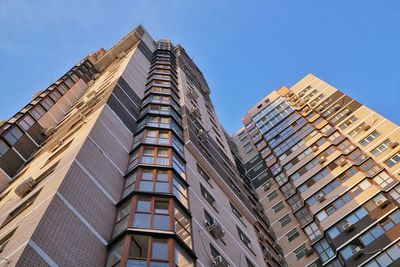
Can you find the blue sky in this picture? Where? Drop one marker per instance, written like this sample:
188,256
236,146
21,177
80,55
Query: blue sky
244,48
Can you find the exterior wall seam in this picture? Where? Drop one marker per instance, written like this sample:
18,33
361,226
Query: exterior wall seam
42,254
82,219
96,182
116,138
91,139
116,98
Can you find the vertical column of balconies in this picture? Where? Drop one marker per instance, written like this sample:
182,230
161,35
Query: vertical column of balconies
153,226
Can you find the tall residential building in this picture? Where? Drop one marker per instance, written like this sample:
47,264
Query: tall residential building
123,162
326,169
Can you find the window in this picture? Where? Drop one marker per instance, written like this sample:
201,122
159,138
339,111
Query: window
152,213
181,258
348,122
4,240
300,252
55,95
395,193
342,200
182,226
272,195
292,235
122,217
203,174
325,252
215,253
387,257
295,201
303,215
312,231
62,88
287,189
129,185
243,237
384,180
207,196
69,82
209,219
278,207
236,212
285,220
352,218
281,179
47,103
26,122
154,181
381,148
153,155
37,112
12,135
393,160
114,254
145,248
180,190
368,237
368,139
249,263
3,147
21,208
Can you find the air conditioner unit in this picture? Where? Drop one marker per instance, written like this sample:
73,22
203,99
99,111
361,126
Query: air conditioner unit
321,108
348,227
216,231
393,144
268,254
80,104
91,93
365,127
322,159
25,187
357,251
337,107
192,94
300,103
47,132
195,112
121,55
342,162
260,209
308,251
90,102
219,261
382,203
202,135
289,95
314,148
306,109
313,103
267,186
320,197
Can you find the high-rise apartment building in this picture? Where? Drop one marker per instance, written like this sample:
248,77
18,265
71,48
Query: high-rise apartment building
326,169
123,162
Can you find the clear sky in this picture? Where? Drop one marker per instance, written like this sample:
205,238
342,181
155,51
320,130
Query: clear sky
244,48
